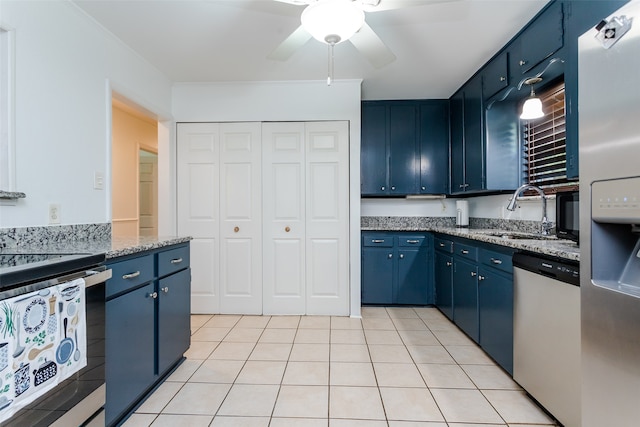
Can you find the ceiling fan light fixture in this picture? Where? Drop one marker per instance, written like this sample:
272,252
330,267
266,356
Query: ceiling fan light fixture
332,21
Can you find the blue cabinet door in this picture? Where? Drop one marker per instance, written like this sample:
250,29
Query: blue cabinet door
373,151
542,38
413,277
443,265
495,300
495,75
456,111
130,349
377,275
174,306
434,147
403,145
473,135
465,297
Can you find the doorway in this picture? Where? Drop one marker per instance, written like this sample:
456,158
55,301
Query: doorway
134,171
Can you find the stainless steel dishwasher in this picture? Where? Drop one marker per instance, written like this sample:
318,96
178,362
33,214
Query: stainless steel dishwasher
546,342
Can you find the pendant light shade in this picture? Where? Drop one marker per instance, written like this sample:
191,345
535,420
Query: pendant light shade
332,21
532,107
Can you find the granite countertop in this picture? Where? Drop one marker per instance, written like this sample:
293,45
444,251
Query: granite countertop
552,246
112,247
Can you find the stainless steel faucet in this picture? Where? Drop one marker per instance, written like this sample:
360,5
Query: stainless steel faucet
545,224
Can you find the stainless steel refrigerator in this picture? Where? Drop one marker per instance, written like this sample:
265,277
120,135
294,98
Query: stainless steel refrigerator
609,111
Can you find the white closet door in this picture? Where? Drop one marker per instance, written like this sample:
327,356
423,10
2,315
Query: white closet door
240,218
198,148
327,218
283,218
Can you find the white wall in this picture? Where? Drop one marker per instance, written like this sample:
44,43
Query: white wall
66,66
285,101
529,208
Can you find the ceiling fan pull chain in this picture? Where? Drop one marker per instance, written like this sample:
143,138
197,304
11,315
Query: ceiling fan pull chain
330,71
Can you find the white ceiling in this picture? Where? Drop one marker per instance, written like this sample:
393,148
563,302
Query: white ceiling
438,45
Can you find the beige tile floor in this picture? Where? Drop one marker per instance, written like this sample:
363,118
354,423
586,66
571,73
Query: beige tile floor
397,367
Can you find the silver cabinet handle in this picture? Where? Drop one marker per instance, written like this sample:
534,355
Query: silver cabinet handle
377,241
390,256
481,278
461,185
401,256
474,274
152,295
442,245
496,261
176,261
464,251
131,275
502,78
449,263
393,188
382,188
413,242
423,188
522,62
165,289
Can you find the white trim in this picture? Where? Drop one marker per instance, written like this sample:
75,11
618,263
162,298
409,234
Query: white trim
10,161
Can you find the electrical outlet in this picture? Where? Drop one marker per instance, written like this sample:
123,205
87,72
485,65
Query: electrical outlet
54,213
98,181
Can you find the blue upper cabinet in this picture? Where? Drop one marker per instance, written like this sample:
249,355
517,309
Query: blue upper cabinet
496,75
403,145
542,38
467,138
404,148
433,122
373,154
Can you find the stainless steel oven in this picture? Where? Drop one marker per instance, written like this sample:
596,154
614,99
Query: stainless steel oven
79,398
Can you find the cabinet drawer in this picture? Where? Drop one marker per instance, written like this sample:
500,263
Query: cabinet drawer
173,260
129,274
496,259
466,251
377,240
444,245
408,241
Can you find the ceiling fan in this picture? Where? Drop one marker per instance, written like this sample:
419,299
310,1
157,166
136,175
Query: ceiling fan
335,21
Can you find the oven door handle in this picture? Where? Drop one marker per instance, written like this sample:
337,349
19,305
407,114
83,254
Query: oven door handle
97,277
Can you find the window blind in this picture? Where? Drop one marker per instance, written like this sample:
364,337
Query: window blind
544,154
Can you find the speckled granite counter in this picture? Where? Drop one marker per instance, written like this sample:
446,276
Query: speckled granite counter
565,249
121,246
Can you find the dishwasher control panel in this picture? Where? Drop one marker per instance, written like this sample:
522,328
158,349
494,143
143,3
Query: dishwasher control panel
563,271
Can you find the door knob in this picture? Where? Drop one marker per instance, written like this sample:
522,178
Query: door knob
401,256
165,289
449,263
236,229
474,274
287,229
480,278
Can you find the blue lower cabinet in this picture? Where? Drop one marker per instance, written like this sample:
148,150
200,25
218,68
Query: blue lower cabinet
129,349
174,300
147,324
443,266
397,268
495,301
465,297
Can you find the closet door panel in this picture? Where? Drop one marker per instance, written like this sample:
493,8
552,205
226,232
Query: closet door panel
198,164
283,218
327,217
240,218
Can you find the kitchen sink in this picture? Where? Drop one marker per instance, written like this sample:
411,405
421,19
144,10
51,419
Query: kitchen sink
516,235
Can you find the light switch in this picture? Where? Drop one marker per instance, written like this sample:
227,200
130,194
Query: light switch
98,181
54,213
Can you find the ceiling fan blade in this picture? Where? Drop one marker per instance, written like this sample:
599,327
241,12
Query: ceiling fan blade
372,47
368,5
296,2
292,43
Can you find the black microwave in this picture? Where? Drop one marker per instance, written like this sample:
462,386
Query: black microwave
568,215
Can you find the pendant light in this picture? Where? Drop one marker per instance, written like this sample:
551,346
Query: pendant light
532,107
332,22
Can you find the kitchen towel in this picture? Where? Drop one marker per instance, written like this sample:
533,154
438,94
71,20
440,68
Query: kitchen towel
42,343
